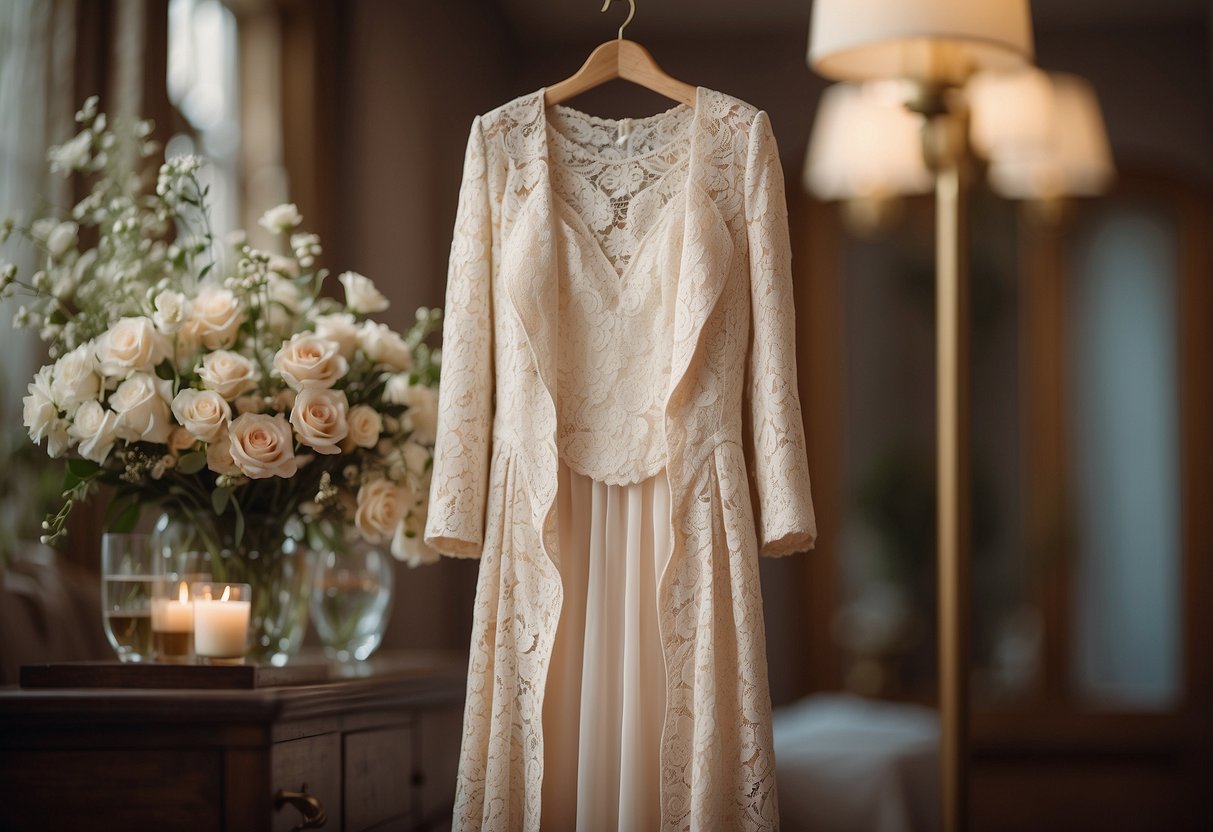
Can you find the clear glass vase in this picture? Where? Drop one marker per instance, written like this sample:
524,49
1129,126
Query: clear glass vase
351,599
268,554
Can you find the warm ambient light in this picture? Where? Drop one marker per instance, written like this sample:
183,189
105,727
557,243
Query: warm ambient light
933,41
1043,134
865,145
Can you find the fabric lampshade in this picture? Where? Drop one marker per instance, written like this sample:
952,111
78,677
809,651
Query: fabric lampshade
1042,133
865,144
934,41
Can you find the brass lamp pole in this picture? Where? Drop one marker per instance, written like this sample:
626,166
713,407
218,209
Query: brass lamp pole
945,134
936,45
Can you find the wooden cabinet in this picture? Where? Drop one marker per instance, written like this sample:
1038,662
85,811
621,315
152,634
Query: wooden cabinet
377,752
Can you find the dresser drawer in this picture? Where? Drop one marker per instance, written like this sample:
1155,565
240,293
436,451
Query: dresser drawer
378,779
311,764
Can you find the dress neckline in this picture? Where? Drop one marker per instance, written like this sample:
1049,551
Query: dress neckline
685,112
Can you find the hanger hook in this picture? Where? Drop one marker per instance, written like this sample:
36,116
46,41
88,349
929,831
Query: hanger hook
631,13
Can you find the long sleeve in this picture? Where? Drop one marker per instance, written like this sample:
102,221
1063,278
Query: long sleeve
778,457
455,523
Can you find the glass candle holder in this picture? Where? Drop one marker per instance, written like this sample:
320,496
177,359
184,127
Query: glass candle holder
221,621
126,587
172,621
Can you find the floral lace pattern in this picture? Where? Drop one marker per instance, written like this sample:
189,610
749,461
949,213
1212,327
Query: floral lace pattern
726,312
616,301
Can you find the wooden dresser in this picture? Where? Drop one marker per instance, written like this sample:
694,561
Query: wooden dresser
377,752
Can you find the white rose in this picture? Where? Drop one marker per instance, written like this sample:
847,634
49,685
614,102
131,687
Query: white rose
131,345
382,507
319,419
61,239
215,317
75,378
408,546
361,295
227,373
172,310
281,218
204,413
341,329
96,429
262,446
42,416
383,345
397,389
422,403
141,403
365,425
310,361
219,456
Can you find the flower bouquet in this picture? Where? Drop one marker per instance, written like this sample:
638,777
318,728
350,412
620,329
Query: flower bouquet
214,380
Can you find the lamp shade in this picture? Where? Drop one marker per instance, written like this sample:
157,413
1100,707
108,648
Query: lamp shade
1043,135
934,41
865,145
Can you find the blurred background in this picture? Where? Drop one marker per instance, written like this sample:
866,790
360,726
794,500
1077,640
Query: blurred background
1092,367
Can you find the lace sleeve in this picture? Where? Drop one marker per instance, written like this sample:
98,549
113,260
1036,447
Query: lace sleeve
455,523
778,459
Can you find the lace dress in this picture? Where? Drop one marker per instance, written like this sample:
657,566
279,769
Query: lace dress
605,700
619,440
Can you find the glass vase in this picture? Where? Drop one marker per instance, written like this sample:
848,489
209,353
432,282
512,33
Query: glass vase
268,553
351,599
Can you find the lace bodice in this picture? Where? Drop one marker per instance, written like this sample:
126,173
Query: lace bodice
614,180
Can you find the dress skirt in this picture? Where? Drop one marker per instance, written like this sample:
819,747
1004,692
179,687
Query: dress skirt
604,701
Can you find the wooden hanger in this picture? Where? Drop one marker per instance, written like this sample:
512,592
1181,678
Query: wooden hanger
622,59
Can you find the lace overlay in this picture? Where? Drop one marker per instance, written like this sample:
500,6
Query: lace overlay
729,411
615,180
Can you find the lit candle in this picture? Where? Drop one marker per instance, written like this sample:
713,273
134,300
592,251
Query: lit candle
221,626
173,625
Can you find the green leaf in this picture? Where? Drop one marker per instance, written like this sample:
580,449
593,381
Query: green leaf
166,371
220,498
192,463
82,468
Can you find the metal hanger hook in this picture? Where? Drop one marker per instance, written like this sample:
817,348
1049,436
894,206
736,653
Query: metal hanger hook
631,13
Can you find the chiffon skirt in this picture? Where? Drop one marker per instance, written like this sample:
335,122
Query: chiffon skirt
604,700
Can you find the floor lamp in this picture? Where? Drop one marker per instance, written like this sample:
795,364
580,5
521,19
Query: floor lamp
933,47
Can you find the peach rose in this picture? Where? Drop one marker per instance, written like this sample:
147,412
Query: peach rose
215,317
131,345
204,413
227,373
309,361
365,426
382,507
262,446
319,418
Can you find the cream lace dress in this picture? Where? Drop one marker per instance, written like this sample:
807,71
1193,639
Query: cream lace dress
605,699
619,441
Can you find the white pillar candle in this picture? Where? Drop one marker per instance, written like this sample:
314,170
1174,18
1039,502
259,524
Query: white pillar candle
171,615
220,626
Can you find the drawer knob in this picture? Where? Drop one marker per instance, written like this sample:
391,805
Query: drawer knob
308,805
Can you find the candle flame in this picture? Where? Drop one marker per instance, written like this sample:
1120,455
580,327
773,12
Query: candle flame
183,594
227,592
